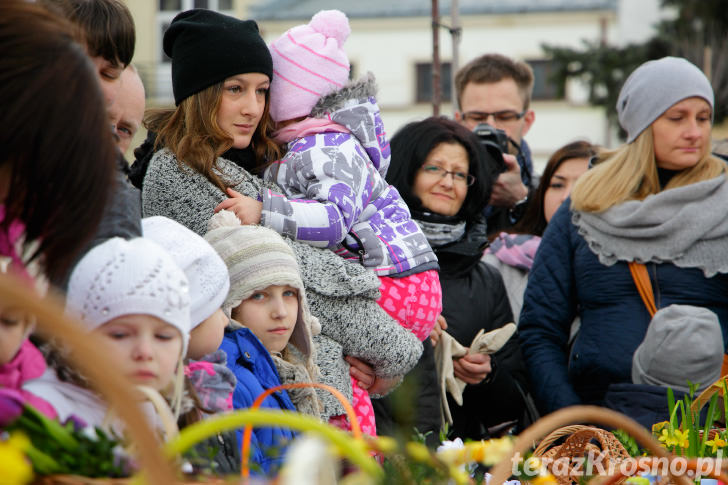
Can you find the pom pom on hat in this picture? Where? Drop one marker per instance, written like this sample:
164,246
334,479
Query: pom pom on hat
308,63
333,24
206,272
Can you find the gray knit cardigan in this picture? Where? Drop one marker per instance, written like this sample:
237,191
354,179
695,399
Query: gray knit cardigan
341,294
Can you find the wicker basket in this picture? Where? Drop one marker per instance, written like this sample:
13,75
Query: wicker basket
542,429
579,442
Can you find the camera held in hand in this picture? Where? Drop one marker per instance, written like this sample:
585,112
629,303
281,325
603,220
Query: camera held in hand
495,141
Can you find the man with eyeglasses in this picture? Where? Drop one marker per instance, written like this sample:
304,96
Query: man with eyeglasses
495,89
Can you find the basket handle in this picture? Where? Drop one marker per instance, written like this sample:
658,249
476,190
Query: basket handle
248,432
171,430
704,397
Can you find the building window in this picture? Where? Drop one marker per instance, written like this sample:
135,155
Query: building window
164,56
168,9
170,5
543,87
159,77
424,82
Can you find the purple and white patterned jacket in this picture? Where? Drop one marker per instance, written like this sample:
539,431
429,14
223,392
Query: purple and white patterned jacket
335,193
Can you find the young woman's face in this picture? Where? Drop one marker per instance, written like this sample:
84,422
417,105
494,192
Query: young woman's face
561,184
271,315
242,105
682,134
207,336
13,325
144,348
440,194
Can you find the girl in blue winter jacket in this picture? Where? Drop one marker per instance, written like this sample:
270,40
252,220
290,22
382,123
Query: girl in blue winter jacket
269,339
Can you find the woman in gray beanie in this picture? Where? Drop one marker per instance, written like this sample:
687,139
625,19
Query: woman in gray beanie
653,200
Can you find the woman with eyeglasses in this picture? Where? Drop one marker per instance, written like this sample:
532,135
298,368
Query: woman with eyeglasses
442,172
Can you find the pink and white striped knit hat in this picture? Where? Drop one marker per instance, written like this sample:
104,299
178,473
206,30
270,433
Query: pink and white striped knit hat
308,63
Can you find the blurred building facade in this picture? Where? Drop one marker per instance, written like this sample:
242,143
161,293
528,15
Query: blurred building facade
393,39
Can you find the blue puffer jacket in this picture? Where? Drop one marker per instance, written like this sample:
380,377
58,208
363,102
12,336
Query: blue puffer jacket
567,280
255,371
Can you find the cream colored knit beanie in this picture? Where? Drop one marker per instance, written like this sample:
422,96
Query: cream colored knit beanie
256,258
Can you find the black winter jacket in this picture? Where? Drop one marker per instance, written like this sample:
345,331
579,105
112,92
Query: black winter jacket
474,297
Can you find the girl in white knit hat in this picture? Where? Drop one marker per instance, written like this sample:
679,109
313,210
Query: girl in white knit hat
133,297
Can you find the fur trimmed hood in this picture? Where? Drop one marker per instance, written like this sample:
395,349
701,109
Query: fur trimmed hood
361,90
355,107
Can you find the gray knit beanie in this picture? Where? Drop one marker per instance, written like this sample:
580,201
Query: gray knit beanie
655,86
683,343
256,258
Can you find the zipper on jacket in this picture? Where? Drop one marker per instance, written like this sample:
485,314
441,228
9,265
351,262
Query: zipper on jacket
360,251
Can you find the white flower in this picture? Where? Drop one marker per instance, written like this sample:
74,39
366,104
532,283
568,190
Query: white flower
456,444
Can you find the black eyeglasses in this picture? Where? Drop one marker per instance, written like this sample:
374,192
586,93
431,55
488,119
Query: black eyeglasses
458,177
505,116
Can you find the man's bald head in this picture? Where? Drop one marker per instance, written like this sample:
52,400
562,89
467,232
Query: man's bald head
129,107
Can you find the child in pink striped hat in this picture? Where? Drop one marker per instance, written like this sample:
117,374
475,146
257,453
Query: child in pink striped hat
335,195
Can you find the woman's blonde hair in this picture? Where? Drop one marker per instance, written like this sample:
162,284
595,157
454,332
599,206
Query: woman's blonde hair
191,132
630,173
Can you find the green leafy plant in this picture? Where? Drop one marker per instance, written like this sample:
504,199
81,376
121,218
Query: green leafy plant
629,443
683,434
69,448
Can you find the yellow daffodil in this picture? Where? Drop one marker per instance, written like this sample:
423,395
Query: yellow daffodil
682,438
667,438
716,443
547,479
16,468
490,452
384,444
458,475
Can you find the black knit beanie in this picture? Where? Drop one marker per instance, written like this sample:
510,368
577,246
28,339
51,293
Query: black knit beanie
207,47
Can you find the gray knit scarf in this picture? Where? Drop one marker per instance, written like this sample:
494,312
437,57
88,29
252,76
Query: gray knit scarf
686,226
439,233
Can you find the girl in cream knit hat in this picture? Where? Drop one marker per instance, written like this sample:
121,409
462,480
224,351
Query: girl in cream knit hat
269,340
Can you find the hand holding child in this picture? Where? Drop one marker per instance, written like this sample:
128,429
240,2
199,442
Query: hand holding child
440,326
367,380
247,209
